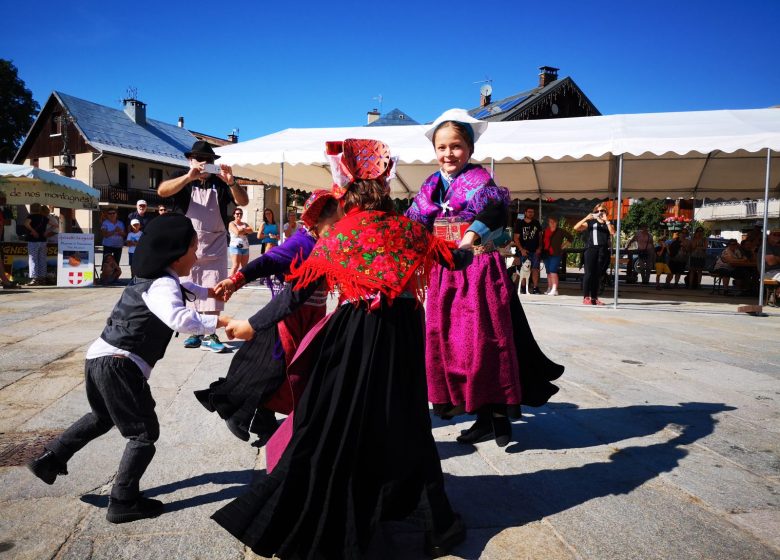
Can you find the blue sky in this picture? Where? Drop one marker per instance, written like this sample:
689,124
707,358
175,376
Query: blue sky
264,66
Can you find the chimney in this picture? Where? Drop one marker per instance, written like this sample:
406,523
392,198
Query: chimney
181,122
136,110
372,115
547,75
233,136
484,100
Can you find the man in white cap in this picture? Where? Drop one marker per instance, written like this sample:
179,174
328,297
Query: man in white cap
140,214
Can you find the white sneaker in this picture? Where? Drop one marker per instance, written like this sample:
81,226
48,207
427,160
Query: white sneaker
552,293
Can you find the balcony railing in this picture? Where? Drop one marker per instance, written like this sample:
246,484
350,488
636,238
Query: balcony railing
736,210
119,195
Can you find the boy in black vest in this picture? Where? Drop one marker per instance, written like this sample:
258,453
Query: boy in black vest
120,361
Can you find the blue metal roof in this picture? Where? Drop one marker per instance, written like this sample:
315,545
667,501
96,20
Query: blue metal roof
111,130
395,117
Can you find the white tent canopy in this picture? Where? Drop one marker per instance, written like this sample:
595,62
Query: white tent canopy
707,154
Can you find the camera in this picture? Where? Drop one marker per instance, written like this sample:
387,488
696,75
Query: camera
212,168
239,246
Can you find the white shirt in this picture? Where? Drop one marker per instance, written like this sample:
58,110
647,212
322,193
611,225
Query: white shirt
163,298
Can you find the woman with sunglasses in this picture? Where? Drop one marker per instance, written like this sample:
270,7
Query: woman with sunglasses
597,240
239,242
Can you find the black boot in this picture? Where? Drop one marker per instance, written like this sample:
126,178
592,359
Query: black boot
47,466
204,398
502,430
440,544
481,430
241,432
121,511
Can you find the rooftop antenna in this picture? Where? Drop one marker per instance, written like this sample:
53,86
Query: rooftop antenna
379,99
132,93
487,87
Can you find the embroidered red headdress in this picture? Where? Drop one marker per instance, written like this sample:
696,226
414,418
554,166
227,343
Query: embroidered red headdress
358,159
314,205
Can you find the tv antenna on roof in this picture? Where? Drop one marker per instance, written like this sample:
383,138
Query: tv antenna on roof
487,87
379,99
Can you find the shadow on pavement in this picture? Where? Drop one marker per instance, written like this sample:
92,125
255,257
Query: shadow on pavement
234,484
493,503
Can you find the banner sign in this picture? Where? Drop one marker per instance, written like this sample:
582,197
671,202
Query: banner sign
76,260
17,192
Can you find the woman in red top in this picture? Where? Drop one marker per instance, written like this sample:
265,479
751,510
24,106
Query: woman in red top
552,252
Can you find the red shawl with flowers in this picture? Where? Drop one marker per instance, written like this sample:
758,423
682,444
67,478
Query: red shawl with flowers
369,252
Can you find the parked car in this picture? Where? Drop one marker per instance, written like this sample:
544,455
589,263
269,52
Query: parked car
715,246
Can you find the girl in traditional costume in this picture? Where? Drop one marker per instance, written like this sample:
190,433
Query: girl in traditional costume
254,387
361,449
480,356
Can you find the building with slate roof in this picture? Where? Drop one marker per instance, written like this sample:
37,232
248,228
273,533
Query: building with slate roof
396,117
122,153
552,98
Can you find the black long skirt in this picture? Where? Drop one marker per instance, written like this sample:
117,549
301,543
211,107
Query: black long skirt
362,450
255,373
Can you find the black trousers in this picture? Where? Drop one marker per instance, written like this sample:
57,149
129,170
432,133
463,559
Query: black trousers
119,396
596,262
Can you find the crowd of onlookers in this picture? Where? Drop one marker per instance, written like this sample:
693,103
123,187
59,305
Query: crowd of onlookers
677,259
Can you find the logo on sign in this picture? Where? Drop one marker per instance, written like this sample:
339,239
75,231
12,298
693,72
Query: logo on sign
75,278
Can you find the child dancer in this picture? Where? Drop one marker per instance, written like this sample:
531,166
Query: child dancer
120,362
258,368
361,450
475,325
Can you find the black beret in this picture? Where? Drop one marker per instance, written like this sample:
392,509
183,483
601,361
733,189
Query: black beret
165,239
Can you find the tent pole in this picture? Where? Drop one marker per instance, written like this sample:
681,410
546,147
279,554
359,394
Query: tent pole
764,229
492,168
282,217
619,207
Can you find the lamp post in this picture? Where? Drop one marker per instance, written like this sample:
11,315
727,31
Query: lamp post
67,165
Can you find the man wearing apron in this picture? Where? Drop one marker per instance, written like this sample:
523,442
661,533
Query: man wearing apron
204,199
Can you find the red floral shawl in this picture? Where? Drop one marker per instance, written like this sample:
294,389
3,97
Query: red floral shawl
369,252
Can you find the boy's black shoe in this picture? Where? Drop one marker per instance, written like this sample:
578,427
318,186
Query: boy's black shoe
121,511
47,466
437,545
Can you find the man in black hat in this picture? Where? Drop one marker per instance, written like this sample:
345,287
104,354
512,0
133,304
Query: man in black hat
120,362
205,198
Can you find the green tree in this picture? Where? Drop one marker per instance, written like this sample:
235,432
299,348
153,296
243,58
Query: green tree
650,212
17,110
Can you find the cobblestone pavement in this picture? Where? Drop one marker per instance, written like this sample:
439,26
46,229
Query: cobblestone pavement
662,443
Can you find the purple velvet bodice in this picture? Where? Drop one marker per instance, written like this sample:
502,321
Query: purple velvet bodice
468,194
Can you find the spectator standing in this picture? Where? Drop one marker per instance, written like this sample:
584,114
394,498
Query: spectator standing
239,241
133,237
114,234
291,225
162,209
269,231
599,230
204,198
527,234
553,239
36,224
679,249
141,214
645,251
697,259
